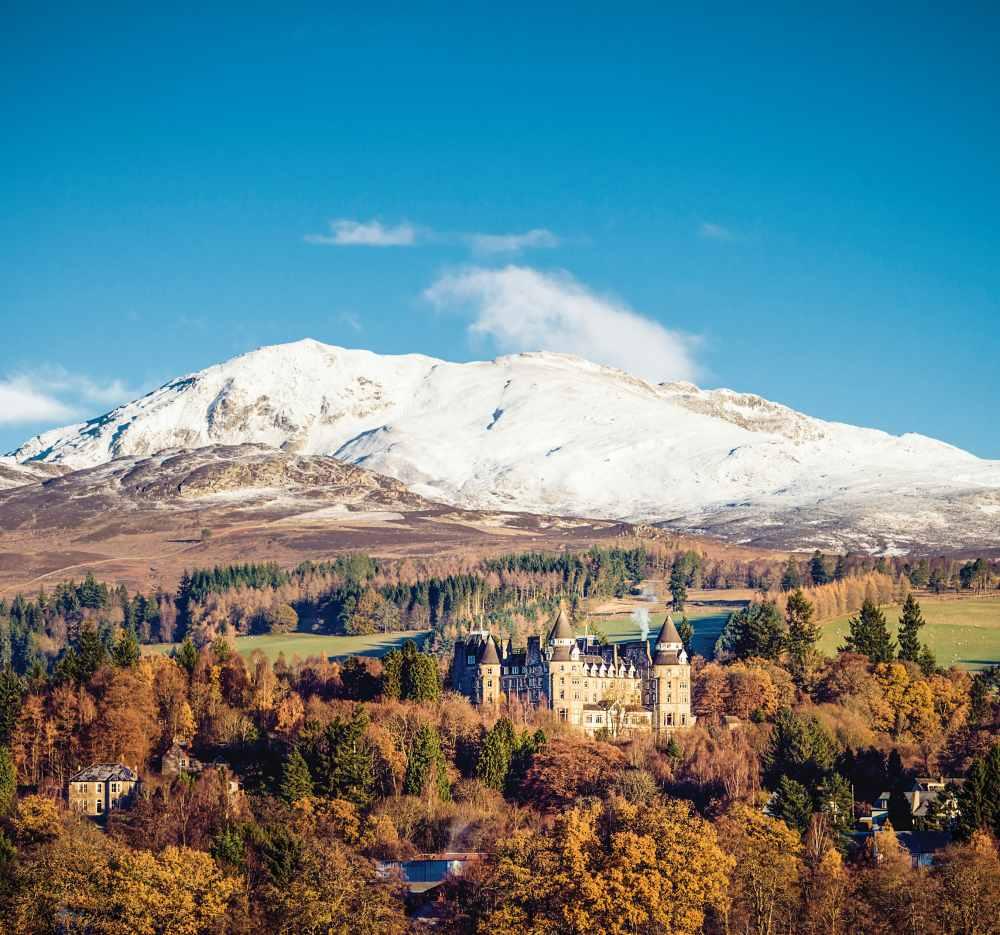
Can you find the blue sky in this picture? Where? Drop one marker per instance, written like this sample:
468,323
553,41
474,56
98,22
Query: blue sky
799,205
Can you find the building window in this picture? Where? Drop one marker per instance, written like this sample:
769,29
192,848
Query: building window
489,683
100,807
684,719
670,720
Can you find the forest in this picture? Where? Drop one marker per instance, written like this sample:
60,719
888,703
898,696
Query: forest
752,821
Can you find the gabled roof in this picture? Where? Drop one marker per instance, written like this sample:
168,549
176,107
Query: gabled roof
105,772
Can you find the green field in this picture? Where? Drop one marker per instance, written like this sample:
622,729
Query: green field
305,645
707,622
964,633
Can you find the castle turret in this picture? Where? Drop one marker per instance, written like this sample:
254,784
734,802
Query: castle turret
672,678
488,679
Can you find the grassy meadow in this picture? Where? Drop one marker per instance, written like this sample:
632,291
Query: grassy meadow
707,622
305,645
964,633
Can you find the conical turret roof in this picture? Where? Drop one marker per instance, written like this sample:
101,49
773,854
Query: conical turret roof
669,637
489,655
562,629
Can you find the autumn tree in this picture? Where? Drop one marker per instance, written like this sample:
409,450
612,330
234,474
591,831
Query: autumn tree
658,865
763,884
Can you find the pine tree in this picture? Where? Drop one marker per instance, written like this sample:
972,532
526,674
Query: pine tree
8,780
802,634
495,755
11,697
818,570
869,635
910,623
426,765
296,780
126,652
840,570
791,579
979,797
187,656
91,653
685,631
678,584
792,804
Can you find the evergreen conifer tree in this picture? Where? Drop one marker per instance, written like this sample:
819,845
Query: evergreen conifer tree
818,570
869,635
296,780
8,780
840,570
187,656
495,755
91,653
11,697
802,633
126,651
792,803
791,578
678,584
426,766
910,623
685,631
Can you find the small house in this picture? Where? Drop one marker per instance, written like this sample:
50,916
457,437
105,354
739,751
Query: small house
102,788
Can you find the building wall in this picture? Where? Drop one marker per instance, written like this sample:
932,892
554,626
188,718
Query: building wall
98,798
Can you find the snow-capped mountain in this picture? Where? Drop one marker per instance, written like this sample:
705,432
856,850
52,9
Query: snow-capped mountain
556,434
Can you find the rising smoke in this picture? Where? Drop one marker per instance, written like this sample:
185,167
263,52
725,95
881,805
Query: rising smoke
641,616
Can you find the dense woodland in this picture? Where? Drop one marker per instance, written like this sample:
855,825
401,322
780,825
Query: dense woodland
719,829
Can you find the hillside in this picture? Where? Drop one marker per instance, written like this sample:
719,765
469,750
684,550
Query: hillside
554,434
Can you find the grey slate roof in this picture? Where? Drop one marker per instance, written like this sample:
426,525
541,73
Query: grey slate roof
105,772
562,629
490,656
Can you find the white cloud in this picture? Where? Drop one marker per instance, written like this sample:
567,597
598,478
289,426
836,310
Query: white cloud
513,243
347,233
711,231
521,309
20,402
53,394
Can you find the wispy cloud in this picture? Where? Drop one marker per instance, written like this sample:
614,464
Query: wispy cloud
512,243
522,309
349,233
350,320
54,394
711,231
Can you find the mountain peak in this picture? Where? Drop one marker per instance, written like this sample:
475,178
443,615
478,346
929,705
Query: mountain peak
554,433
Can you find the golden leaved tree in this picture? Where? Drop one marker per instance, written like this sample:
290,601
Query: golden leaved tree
612,867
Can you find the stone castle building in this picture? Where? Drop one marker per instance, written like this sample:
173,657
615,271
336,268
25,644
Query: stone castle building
620,689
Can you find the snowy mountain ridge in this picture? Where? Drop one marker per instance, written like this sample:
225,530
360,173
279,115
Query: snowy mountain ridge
544,432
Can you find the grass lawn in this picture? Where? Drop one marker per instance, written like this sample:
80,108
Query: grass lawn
964,633
707,622
305,645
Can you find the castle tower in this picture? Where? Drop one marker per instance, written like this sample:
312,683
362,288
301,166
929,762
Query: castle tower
562,655
488,673
671,674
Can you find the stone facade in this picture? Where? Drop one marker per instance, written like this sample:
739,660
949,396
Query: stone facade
619,689
102,788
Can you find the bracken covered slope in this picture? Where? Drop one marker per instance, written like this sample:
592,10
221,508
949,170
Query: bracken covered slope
555,434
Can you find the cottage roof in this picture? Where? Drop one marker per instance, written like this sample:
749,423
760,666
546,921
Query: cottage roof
105,772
